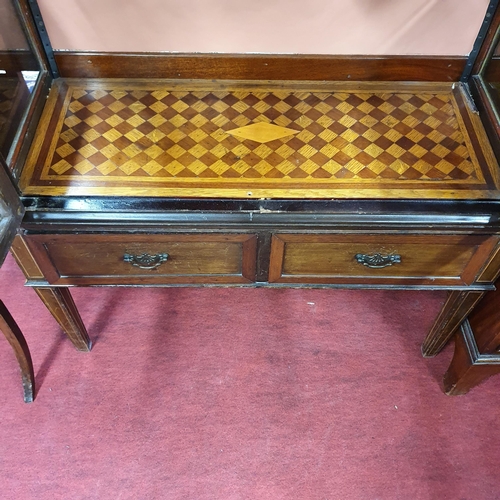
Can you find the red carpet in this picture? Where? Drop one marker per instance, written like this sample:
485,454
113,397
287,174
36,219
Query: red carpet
236,394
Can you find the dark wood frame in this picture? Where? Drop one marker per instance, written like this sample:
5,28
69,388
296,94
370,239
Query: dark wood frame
22,139
477,343
486,44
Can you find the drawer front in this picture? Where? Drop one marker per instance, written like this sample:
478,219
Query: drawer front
445,260
145,259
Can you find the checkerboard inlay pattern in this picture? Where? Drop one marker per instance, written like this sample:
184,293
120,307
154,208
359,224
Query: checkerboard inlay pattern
184,134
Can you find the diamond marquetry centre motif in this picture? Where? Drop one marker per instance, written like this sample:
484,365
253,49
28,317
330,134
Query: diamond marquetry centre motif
262,132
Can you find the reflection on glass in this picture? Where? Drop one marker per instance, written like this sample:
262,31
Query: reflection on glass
19,71
491,77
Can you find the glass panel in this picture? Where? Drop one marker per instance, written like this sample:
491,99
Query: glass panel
19,71
491,77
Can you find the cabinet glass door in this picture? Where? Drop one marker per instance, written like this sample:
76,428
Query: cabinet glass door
483,75
22,74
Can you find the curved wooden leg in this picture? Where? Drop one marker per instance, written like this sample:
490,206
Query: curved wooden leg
468,367
16,339
61,305
456,308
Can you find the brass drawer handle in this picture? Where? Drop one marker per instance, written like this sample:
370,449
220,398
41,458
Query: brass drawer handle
145,260
377,260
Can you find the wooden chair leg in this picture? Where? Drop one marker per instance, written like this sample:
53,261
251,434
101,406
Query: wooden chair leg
16,339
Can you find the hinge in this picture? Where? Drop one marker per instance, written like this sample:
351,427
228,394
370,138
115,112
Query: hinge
467,95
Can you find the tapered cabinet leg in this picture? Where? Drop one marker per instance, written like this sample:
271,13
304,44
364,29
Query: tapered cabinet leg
61,305
58,300
477,347
468,367
16,339
456,308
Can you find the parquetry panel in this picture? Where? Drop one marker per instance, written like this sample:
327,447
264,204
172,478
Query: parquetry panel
243,138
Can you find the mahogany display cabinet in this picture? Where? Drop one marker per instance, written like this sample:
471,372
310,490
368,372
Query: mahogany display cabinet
249,171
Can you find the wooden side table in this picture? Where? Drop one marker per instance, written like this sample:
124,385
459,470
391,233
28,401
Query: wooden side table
16,339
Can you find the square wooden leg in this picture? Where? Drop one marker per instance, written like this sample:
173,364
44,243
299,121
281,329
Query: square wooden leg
61,305
468,367
454,311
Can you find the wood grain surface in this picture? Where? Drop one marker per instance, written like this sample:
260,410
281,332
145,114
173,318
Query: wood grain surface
260,66
192,138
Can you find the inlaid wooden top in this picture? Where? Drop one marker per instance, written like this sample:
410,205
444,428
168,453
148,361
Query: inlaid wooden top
237,139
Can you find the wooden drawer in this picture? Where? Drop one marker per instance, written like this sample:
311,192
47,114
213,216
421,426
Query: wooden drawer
379,259
89,259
